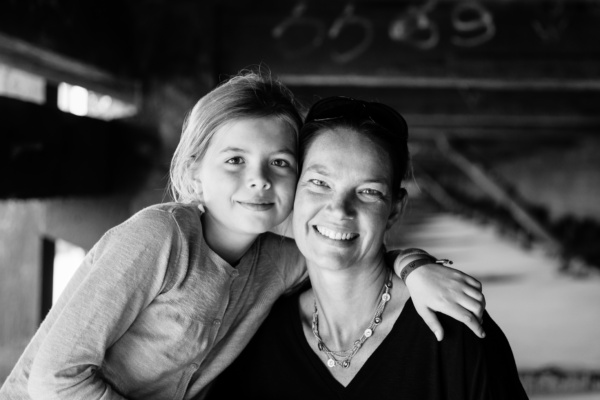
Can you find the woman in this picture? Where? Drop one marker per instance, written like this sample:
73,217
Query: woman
355,333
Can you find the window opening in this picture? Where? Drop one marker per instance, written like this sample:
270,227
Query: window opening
83,102
67,259
18,84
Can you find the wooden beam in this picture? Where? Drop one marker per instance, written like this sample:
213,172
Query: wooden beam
549,128
495,190
58,68
421,82
435,190
568,122
48,153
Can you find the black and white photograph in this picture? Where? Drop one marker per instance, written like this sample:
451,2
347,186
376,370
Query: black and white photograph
300,199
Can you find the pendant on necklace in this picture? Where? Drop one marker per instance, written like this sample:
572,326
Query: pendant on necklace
330,363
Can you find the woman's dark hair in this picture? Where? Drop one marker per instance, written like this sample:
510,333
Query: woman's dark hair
376,121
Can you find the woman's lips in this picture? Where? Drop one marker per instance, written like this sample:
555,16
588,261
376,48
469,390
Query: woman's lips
334,234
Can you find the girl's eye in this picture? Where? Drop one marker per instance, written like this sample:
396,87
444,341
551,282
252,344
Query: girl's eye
235,160
317,182
280,163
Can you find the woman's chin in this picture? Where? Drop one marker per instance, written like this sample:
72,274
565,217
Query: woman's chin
332,259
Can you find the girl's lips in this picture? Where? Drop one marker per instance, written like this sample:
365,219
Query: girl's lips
256,206
335,234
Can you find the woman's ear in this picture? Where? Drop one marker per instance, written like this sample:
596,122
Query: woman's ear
397,208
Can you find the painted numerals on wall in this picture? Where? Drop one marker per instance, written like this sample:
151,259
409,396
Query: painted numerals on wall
472,23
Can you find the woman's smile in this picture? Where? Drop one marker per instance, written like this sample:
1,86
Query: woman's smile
334,234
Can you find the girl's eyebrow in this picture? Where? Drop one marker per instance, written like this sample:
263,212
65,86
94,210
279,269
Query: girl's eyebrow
231,149
286,151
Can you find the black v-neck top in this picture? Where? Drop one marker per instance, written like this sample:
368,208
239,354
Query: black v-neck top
408,364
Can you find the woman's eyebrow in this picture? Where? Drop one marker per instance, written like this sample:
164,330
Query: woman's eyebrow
231,149
318,168
381,180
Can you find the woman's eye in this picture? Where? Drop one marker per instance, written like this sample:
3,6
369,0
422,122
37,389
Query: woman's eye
280,163
372,192
235,160
317,182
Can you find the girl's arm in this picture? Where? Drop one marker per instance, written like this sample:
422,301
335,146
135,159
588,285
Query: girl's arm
435,287
118,279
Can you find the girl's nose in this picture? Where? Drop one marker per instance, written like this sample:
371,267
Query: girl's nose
259,179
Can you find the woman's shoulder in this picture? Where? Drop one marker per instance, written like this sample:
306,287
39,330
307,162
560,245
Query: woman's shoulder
495,349
284,312
455,329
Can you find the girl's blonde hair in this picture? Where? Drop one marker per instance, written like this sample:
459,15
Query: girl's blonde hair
250,94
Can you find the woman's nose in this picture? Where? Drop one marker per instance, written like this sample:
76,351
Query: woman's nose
259,179
341,206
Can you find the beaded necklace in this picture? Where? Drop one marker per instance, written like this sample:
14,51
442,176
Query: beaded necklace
344,357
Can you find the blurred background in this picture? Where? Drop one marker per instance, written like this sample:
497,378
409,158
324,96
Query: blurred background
502,98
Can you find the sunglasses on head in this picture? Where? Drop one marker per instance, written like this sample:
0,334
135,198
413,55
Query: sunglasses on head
338,107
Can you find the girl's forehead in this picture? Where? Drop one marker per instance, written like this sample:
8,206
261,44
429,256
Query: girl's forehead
264,133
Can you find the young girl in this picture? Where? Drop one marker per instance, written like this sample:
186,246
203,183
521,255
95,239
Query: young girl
166,300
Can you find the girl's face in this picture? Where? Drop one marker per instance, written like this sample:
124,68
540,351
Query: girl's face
248,175
343,200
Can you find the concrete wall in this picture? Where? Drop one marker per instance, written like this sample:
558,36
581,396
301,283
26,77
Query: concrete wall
20,268
23,225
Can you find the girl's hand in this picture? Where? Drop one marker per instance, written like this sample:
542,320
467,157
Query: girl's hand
434,287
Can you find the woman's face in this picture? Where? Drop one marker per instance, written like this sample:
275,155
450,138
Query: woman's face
343,200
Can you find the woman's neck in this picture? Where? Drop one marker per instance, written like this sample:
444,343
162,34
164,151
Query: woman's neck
347,300
228,244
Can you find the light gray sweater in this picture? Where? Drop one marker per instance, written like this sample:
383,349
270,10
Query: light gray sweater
153,312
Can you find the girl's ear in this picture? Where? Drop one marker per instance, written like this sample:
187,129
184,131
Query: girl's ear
198,190
397,208
194,176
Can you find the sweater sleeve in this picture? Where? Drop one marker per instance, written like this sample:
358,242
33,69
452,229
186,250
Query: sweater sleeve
286,257
121,275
